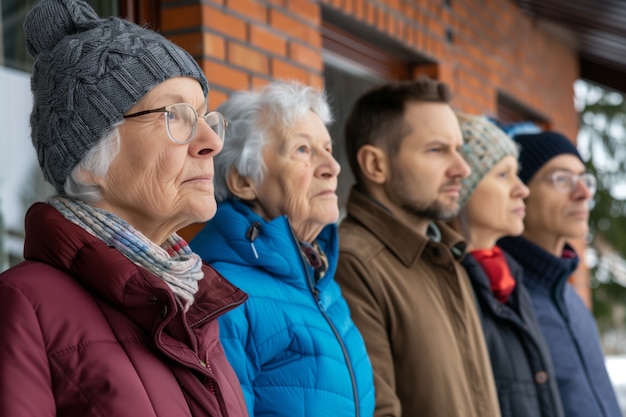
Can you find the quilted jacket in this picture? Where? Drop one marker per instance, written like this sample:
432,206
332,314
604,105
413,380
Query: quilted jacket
86,332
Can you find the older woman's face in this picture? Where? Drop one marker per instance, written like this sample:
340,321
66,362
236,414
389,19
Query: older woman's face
301,178
156,185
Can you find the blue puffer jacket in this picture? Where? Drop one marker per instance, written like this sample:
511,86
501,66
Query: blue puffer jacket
293,344
569,329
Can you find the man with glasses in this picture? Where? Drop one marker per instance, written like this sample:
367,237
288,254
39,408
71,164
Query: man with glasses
557,210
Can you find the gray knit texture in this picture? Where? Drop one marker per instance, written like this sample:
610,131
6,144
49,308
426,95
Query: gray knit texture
88,73
485,144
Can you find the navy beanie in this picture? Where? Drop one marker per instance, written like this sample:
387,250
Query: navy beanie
536,149
87,73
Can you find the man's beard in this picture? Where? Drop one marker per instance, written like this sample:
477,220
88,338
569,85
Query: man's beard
434,210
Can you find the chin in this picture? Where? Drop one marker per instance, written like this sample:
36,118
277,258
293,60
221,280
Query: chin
204,212
580,233
326,215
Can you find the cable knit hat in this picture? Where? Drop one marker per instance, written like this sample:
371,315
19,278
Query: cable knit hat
536,149
88,72
484,146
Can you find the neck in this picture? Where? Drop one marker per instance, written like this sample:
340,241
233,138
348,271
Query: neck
476,245
475,238
307,232
550,243
412,222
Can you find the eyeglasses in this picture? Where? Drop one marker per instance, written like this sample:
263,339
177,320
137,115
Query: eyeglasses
181,121
566,182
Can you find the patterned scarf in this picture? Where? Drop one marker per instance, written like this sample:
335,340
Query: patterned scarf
174,262
316,257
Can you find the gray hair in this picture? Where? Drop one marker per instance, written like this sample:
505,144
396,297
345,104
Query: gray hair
96,161
254,117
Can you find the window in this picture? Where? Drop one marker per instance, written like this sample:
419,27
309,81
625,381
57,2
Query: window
511,111
12,43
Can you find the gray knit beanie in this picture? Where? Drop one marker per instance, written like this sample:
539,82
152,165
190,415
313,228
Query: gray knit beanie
88,73
485,144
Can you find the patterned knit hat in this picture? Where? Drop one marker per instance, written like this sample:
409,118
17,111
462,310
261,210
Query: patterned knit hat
484,146
88,72
536,149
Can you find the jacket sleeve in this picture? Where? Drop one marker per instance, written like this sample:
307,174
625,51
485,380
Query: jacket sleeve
240,349
367,307
25,380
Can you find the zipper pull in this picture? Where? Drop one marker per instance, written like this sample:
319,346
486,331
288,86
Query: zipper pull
251,234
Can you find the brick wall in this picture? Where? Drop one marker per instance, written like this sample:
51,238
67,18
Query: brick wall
495,48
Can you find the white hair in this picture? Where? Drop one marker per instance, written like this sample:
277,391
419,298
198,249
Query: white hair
253,117
97,162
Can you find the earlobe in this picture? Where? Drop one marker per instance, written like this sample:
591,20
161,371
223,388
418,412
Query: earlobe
242,187
373,163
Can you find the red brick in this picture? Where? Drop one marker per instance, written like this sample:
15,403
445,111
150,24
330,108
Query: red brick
225,76
267,40
224,23
306,56
216,97
258,82
287,71
191,42
214,46
305,9
393,4
249,8
248,58
370,13
359,9
316,81
291,26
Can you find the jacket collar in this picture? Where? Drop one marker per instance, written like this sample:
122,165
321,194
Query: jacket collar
406,244
272,248
104,271
540,266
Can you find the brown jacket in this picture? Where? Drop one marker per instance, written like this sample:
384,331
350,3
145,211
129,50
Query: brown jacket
413,303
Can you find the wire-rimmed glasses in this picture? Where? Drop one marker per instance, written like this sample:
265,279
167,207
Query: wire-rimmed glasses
181,121
566,182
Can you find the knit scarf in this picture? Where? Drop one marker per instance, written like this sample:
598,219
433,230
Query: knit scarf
316,257
495,266
173,262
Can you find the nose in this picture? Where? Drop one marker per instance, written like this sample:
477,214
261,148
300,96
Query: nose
521,190
581,191
206,142
459,167
328,166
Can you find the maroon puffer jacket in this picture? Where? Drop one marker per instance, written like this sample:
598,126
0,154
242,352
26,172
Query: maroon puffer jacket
85,332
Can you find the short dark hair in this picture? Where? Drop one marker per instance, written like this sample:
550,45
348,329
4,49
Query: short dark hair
377,116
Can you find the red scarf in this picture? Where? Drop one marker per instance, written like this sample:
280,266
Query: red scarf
497,270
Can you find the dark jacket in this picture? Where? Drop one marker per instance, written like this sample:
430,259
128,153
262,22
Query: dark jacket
569,330
414,305
520,359
86,332
293,345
